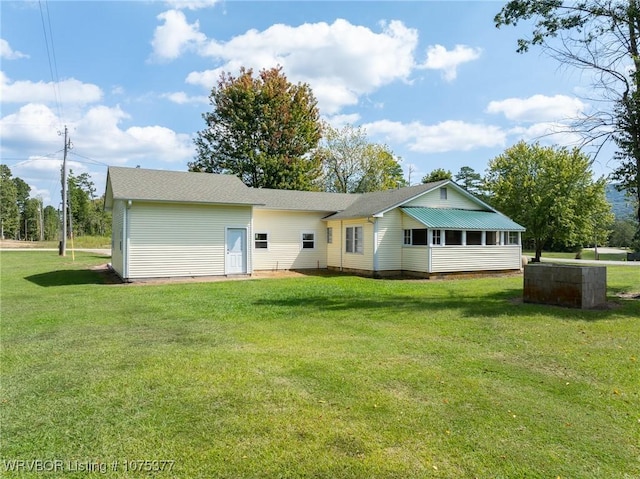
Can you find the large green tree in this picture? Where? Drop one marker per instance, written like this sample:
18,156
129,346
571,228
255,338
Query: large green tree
552,193
9,212
601,37
352,164
261,129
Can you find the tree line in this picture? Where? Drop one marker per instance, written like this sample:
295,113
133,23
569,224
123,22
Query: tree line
26,218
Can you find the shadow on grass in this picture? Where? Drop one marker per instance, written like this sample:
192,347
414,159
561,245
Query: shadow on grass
508,302
72,277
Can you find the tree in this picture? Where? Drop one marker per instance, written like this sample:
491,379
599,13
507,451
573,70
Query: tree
9,212
22,196
437,175
262,130
350,164
622,232
51,223
469,180
551,192
86,212
601,37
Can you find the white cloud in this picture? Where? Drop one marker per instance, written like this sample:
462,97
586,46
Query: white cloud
448,61
175,36
181,98
8,53
339,121
539,108
443,137
66,92
550,133
191,4
340,61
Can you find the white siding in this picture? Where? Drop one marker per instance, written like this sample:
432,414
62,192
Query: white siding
168,240
455,199
284,229
117,237
390,237
361,261
337,257
449,259
415,258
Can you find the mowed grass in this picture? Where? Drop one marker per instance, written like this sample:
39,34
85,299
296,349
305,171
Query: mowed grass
320,376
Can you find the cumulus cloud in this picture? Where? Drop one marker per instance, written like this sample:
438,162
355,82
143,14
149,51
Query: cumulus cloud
539,108
191,4
550,133
97,134
448,61
70,91
181,98
8,53
340,61
175,36
442,137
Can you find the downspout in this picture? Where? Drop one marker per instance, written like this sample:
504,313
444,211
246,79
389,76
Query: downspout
376,265
125,241
341,245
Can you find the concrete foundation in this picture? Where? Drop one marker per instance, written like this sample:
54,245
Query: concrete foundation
583,287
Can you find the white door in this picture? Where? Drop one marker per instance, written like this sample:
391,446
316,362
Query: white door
236,251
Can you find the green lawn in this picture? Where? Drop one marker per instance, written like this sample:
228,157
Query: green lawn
321,376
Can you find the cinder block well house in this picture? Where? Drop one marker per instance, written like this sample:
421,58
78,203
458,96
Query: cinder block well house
172,224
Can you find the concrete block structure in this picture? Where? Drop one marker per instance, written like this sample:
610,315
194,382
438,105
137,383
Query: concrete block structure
583,287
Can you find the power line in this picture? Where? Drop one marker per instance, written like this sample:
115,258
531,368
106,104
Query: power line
53,65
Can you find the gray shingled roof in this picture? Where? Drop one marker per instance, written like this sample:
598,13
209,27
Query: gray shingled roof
188,187
304,200
369,204
176,186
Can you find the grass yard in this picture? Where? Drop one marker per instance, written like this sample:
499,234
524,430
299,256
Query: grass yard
320,376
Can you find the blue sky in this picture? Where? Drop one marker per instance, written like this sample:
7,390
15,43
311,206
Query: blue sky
434,80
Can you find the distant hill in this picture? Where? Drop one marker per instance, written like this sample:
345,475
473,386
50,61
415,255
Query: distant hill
620,203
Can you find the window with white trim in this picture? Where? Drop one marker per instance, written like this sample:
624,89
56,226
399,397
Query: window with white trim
308,240
453,237
512,237
407,237
436,237
443,193
416,237
491,238
261,240
329,235
474,238
354,240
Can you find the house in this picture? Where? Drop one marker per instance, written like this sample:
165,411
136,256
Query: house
171,224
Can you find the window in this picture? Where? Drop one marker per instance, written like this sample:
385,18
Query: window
308,240
436,237
415,237
329,235
261,240
512,237
491,238
443,193
354,239
453,237
474,237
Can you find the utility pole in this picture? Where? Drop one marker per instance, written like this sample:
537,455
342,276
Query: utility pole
63,242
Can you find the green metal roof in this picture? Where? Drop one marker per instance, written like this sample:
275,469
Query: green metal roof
453,219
